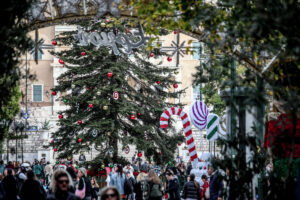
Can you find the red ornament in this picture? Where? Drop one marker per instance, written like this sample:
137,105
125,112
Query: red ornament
60,116
61,61
166,196
79,122
107,20
175,32
55,149
175,85
79,140
90,105
179,145
132,117
109,74
169,59
204,167
83,53
139,114
139,154
53,93
54,42
158,82
52,141
151,54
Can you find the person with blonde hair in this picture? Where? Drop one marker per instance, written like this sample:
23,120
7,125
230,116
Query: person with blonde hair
110,193
138,186
155,186
95,189
60,185
84,183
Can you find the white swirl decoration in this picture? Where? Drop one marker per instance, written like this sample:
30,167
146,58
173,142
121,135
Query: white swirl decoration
198,114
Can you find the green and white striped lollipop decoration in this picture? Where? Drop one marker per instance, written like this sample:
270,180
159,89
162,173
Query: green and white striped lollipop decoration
213,122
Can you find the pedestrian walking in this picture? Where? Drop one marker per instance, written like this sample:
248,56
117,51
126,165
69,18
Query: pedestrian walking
138,186
84,185
110,193
172,186
32,189
215,184
37,169
129,186
2,191
118,180
60,184
10,185
155,186
191,189
95,189
2,166
204,188
73,175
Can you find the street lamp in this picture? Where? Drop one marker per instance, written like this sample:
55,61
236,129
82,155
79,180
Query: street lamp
3,125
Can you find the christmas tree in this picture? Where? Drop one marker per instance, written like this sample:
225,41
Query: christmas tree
113,100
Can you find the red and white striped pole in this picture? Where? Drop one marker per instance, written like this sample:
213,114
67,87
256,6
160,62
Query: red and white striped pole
164,118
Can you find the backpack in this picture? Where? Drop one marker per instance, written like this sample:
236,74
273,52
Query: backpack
128,186
156,191
145,189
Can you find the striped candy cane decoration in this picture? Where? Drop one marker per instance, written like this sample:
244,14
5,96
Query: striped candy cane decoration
164,118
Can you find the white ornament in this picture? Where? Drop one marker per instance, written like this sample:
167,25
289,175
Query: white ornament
67,6
116,95
94,133
107,6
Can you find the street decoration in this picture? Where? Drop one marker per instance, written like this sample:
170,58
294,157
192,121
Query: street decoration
198,114
111,39
164,118
213,121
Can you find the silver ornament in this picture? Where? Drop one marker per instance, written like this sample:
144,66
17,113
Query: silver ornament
107,6
67,6
94,133
36,12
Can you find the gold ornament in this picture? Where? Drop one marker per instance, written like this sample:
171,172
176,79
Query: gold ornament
102,166
108,133
176,72
105,107
164,99
102,24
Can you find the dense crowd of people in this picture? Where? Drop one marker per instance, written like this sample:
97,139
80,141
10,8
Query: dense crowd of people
68,180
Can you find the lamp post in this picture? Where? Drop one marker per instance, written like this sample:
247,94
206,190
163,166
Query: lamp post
3,125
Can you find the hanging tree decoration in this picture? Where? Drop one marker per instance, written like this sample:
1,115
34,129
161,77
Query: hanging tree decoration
116,95
126,149
198,114
94,133
67,6
107,6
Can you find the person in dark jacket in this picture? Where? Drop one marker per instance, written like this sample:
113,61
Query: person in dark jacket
10,185
32,189
2,192
172,186
191,189
73,175
60,184
215,185
84,181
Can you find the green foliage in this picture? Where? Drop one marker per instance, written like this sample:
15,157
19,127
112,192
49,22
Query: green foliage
134,77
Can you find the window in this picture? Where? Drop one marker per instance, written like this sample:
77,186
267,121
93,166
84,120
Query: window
196,92
40,55
197,50
37,93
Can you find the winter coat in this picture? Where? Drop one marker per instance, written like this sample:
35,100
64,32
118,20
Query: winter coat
190,191
118,181
204,188
62,196
88,186
2,167
10,187
48,169
215,187
32,190
173,189
138,191
37,169
95,192
2,192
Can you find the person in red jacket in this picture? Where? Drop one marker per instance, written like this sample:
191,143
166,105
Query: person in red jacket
204,186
